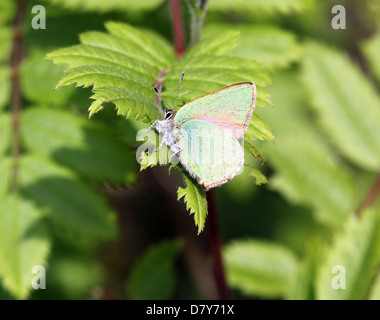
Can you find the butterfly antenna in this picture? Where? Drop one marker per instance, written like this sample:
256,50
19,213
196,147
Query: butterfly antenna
179,86
162,98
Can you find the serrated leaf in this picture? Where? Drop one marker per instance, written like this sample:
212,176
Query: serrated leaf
251,149
153,275
371,49
146,153
347,104
105,6
148,160
259,268
259,177
259,7
110,52
357,250
196,203
153,158
121,66
86,146
214,44
208,73
24,244
149,42
129,103
129,61
271,46
70,203
259,129
95,107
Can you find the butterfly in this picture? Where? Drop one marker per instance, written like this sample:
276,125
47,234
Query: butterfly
206,134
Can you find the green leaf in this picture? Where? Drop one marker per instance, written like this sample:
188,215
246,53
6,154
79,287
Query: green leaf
259,129
7,9
38,79
214,44
6,42
105,6
259,177
70,203
74,276
357,249
153,276
347,104
153,158
375,290
371,49
5,169
148,156
121,66
259,7
150,43
23,244
259,268
85,146
211,72
307,170
302,288
129,103
95,107
195,199
271,46
251,149
148,160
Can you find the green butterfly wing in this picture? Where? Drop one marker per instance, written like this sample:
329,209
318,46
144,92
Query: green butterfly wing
211,155
229,108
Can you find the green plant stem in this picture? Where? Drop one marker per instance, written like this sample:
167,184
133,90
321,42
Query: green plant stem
198,9
16,58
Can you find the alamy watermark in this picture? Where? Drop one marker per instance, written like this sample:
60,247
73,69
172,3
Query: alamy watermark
339,20
39,20
39,281
339,280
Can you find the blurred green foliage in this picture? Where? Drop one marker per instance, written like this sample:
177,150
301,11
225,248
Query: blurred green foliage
104,230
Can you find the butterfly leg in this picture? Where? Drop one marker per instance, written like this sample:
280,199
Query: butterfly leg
151,126
175,152
162,143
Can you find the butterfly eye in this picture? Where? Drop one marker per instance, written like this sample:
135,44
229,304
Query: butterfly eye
168,113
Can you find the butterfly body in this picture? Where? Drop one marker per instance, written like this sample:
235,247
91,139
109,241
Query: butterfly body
206,134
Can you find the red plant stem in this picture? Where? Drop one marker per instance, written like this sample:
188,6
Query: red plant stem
16,58
179,39
216,247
